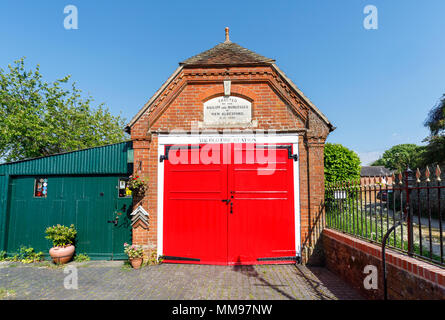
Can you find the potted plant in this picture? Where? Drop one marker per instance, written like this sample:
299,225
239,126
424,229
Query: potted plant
63,242
135,254
137,185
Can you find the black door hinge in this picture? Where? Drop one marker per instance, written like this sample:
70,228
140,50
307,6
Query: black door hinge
163,157
288,147
292,258
179,258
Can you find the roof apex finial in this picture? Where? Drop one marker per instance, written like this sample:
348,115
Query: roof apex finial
227,35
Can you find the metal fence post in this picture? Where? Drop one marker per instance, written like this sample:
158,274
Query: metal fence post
407,209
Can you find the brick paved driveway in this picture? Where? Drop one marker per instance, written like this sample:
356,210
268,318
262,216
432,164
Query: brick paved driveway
113,280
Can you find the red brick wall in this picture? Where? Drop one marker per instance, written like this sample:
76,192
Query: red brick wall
274,106
187,107
408,278
370,187
312,190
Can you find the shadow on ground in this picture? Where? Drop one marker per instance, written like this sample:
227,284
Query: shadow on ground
318,282
250,271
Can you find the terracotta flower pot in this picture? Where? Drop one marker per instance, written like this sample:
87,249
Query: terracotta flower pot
136,263
61,255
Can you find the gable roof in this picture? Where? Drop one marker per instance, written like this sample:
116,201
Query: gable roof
227,53
375,171
224,54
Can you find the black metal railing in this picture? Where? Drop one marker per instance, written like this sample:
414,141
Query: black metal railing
370,207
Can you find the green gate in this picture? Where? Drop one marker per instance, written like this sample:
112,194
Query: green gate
91,203
84,187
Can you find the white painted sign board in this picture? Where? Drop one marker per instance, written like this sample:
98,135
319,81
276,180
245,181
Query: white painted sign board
227,111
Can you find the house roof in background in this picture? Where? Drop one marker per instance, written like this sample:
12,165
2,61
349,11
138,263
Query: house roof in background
375,171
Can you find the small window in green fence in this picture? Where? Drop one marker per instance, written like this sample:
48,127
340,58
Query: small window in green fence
41,187
124,191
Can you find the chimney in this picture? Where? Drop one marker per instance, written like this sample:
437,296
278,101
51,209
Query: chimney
227,35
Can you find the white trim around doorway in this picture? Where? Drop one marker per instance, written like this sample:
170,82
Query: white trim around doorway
182,139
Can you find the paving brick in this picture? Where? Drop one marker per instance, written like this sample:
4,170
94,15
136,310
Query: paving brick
109,280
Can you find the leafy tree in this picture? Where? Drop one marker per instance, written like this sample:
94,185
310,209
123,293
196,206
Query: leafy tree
400,156
340,163
39,118
436,118
435,150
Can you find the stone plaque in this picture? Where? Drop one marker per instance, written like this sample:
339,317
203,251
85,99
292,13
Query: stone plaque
227,111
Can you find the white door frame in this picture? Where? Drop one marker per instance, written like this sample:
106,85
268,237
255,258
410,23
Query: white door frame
167,139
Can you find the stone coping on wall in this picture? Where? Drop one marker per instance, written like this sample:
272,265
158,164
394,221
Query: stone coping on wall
419,268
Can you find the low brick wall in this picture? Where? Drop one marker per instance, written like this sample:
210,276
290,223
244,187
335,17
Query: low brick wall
408,278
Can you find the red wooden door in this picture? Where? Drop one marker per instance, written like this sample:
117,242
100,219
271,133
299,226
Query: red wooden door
257,224
195,218
261,226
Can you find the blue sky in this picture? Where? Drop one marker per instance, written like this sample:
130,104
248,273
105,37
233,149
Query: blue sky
376,86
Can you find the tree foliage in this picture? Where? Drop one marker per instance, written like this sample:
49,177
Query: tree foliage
340,163
400,156
435,122
434,151
436,118
38,118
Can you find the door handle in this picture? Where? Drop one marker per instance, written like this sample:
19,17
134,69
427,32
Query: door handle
229,201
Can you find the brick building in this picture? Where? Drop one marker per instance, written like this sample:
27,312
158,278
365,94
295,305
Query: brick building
367,173
231,99
371,178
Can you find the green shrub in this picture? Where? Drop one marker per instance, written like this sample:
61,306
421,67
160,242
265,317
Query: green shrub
153,259
61,236
26,255
81,257
340,163
2,255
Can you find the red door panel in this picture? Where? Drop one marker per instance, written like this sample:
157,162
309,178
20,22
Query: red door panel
195,218
257,226
261,226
